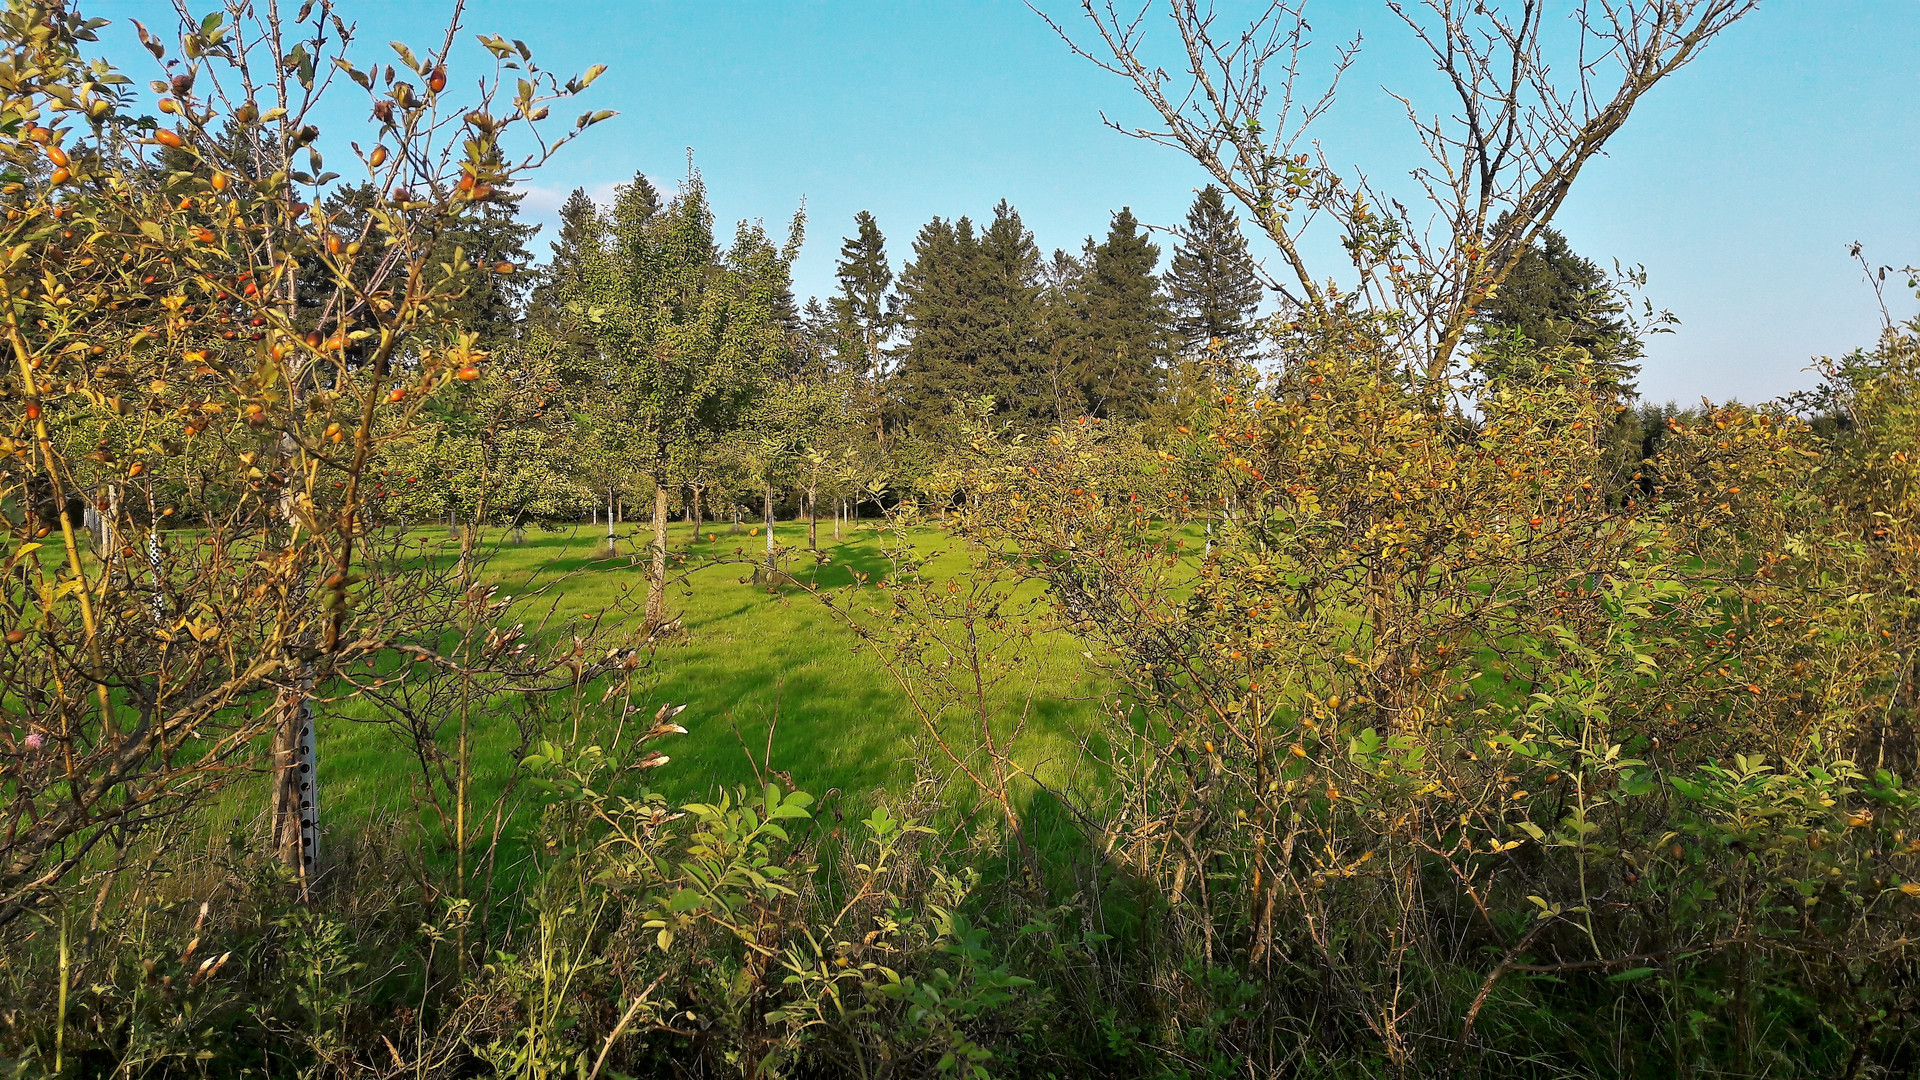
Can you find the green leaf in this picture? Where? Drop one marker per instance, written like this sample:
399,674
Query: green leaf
1631,974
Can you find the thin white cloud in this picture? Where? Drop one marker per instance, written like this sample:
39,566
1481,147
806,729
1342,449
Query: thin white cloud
543,201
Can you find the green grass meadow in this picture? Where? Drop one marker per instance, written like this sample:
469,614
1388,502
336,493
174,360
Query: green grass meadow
764,674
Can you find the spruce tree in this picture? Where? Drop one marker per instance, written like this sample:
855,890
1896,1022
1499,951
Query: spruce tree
1558,318
1063,317
1212,284
816,345
866,310
491,236
1555,298
319,303
1007,290
486,234
560,280
1123,342
937,291
865,316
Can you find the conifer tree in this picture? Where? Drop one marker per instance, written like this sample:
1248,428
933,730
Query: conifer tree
865,309
1212,284
864,316
491,236
937,290
1560,318
317,297
486,234
817,343
1062,314
1008,288
973,312
1123,340
1554,298
560,280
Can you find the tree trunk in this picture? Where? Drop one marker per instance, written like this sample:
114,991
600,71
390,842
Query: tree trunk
736,517
766,505
657,577
698,518
813,522
839,515
294,807
110,526
296,784
610,541
469,539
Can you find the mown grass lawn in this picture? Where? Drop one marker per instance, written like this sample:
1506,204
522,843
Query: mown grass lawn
749,664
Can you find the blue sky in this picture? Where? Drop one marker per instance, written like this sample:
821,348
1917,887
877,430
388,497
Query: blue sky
1738,185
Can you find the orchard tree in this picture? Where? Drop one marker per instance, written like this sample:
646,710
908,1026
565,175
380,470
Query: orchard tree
682,339
158,311
1501,159
773,448
499,446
